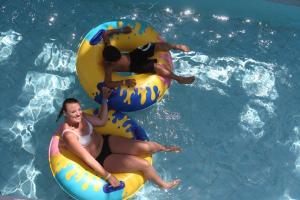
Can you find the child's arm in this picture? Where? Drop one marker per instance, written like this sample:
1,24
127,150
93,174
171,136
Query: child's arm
112,84
108,33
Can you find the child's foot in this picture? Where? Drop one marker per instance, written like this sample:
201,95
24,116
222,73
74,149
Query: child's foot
186,80
183,47
173,149
172,184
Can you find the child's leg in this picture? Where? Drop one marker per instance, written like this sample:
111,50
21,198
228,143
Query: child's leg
160,70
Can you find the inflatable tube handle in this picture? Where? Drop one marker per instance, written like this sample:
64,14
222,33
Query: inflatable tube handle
108,188
140,134
97,37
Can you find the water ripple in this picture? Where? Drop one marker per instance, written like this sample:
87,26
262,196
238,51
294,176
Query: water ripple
8,40
23,181
56,58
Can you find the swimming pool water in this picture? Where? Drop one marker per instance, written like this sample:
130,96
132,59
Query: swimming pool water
239,123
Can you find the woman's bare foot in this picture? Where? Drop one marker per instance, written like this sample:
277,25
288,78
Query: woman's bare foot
173,149
186,80
172,184
183,47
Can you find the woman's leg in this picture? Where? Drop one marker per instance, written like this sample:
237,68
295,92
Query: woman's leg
162,71
121,145
118,163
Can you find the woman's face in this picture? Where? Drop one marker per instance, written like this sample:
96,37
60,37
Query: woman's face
73,112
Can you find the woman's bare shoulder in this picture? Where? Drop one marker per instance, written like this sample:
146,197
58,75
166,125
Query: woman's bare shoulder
63,127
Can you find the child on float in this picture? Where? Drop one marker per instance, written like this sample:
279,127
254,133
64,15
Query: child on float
137,60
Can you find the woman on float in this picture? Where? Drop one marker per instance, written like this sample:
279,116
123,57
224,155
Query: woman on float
107,154
137,61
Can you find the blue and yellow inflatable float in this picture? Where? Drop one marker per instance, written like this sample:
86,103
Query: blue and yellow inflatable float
79,181
149,89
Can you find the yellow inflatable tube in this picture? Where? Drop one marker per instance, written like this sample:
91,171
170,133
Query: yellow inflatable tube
79,181
149,89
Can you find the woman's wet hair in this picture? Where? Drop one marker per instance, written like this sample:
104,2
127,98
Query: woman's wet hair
111,53
63,108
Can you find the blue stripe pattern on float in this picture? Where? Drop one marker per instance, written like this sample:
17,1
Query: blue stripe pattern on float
89,193
104,26
116,100
114,24
136,130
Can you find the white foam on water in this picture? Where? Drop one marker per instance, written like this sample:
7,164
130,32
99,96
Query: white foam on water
52,19
233,34
295,147
23,130
259,80
185,15
45,90
150,191
221,17
131,16
220,74
286,195
165,114
23,181
187,12
264,43
267,105
39,94
147,193
56,58
36,101
297,164
256,78
8,40
284,77
250,121
200,58
211,74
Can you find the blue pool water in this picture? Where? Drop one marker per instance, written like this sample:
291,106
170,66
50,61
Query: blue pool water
239,123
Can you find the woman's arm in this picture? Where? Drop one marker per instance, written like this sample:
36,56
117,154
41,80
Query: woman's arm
103,114
112,84
74,146
102,119
107,80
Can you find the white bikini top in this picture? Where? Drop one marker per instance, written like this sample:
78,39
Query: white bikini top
84,140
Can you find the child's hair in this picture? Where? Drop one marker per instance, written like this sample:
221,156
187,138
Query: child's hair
63,108
111,53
